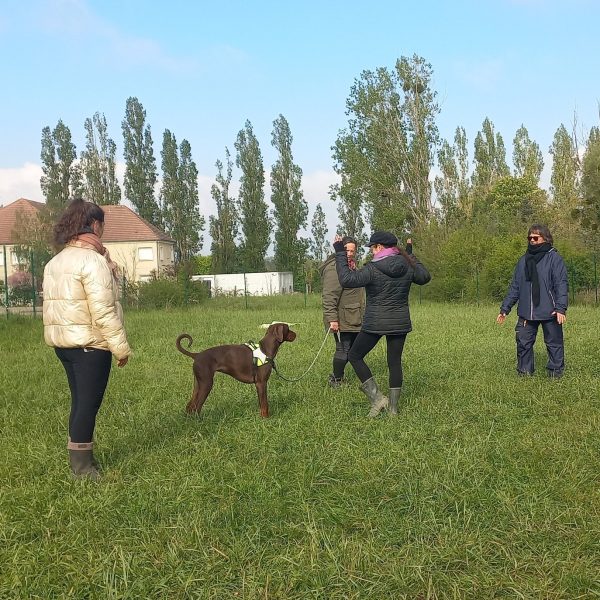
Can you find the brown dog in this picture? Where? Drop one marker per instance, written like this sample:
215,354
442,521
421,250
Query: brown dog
235,360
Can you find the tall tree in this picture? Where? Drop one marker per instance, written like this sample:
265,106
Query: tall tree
319,244
61,177
290,208
223,227
387,151
590,184
140,164
252,208
349,210
527,156
452,186
98,163
489,157
192,224
564,177
179,197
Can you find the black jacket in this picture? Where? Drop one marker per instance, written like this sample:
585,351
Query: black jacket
554,293
387,283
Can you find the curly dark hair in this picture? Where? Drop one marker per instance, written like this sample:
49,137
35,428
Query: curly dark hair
348,239
76,218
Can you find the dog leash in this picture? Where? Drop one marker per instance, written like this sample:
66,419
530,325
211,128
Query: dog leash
291,380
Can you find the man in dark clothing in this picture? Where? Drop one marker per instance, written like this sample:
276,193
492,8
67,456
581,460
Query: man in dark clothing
540,287
387,280
343,310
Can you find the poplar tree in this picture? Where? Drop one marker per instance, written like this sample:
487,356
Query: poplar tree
290,208
563,180
452,186
252,208
61,177
385,155
527,156
489,157
140,164
319,244
187,232
98,163
223,227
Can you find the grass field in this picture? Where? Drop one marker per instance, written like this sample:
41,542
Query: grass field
485,486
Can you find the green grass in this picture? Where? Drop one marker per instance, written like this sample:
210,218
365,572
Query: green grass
485,486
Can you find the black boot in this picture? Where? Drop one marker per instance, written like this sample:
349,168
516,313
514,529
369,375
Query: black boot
82,464
394,396
378,401
334,382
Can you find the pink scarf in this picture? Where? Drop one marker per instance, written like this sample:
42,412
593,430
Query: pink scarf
92,241
385,253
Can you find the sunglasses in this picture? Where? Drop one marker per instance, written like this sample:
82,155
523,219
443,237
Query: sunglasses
534,238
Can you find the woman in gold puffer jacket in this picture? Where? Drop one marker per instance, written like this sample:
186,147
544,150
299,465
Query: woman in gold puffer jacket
83,321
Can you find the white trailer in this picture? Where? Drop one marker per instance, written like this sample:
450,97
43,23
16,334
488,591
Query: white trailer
253,284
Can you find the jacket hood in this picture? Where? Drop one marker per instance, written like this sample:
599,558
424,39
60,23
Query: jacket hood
393,266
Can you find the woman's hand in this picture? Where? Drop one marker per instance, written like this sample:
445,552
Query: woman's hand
337,243
122,361
500,318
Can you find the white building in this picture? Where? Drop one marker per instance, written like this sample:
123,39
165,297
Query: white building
254,284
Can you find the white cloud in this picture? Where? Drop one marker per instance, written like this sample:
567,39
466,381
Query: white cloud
20,182
75,19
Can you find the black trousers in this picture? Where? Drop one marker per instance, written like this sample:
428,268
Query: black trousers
343,343
364,343
87,372
526,333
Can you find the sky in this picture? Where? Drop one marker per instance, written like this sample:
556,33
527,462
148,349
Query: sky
201,69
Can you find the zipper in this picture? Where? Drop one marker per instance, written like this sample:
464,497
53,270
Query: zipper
531,300
551,296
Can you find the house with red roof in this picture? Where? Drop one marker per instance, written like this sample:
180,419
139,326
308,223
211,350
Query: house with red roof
139,248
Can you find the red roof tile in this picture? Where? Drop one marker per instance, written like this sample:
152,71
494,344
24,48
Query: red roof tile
121,224
8,217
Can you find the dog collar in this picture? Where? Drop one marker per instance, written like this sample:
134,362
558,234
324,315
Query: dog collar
259,358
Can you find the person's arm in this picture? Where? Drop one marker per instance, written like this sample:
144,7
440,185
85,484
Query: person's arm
347,277
421,275
561,289
97,284
511,296
332,291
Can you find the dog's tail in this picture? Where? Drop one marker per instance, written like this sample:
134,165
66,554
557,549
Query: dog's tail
185,336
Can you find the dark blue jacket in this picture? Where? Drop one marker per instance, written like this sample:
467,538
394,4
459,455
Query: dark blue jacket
387,283
554,291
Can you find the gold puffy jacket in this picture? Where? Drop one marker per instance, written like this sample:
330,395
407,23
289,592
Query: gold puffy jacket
80,303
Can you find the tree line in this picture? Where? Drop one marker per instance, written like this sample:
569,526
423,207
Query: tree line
466,220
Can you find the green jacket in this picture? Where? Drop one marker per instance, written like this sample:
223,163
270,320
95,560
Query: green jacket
345,305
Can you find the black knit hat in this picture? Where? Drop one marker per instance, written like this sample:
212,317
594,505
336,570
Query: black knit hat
385,238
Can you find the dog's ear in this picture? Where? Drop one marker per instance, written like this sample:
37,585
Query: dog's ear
280,332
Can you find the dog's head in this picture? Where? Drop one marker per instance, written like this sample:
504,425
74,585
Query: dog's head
281,332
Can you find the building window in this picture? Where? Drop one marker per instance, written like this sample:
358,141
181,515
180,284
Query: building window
145,278
16,260
145,253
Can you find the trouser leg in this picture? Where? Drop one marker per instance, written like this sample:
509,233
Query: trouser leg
553,338
395,346
526,332
364,343
343,343
88,374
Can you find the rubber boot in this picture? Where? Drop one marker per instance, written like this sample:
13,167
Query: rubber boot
81,457
378,401
394,396
96,464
